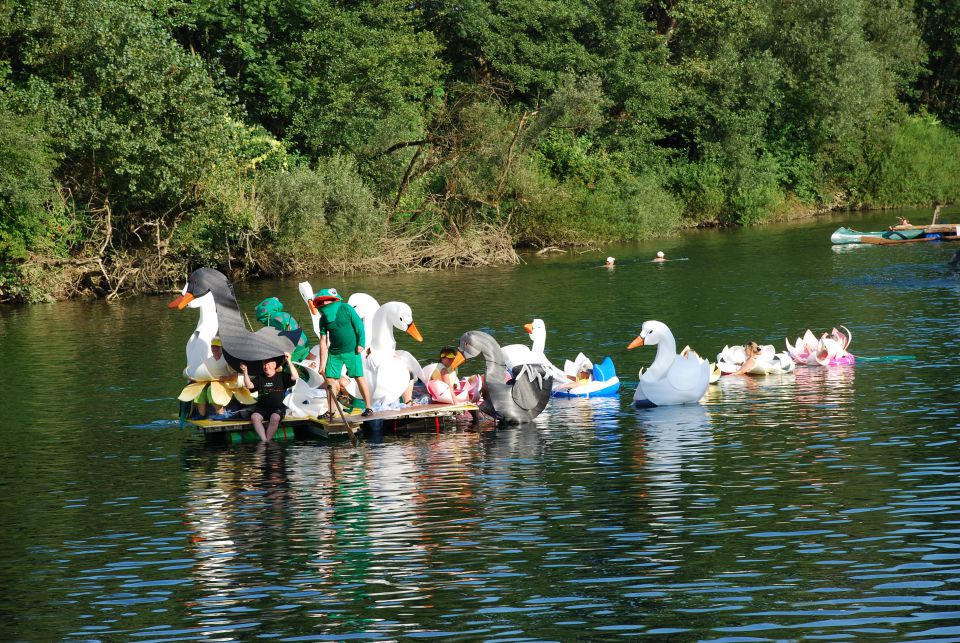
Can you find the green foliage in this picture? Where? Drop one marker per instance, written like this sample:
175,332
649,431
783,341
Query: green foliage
918,163
147,138
316,215
32,215
938,88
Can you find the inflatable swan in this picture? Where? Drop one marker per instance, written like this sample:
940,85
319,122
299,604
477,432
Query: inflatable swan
209,291
202,369
766,362
518,354
239,344
829,350
672,378
388,370
603,379
516,402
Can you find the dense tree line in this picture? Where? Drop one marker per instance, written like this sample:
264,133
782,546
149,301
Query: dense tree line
141,139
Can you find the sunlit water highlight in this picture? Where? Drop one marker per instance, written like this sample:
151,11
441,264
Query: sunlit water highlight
823,505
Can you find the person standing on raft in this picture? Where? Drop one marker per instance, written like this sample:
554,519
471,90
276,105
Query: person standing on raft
272,388
341,344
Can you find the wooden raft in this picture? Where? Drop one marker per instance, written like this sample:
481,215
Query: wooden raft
411,419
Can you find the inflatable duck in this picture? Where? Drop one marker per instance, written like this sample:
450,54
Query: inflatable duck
829,350
672,378
239,344
766,362
522,398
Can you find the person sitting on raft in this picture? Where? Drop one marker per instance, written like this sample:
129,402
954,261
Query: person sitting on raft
341,344
270,312
202,400
271,388
448,375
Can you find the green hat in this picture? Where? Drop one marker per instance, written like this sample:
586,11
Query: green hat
267,309
326,296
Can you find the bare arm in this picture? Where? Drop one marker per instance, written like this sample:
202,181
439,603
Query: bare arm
247,384
294,376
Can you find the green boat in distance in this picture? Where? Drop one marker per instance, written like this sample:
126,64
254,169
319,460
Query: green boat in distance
886,237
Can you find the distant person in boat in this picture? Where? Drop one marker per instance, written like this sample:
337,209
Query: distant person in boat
204,399
342,327
271,388
270,312
660,258
901,221
752,349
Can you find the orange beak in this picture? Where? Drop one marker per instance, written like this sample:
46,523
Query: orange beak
637,342
181,302
528,328
414,333
457,361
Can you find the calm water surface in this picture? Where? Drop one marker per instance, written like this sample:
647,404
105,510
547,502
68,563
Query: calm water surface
819,506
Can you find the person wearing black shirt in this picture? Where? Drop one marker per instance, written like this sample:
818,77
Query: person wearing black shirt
271,388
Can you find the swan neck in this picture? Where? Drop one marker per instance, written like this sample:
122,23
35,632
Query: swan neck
666,353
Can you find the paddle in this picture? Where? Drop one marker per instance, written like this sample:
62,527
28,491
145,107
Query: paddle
333,398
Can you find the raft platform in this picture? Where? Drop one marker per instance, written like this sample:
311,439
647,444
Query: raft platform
423,418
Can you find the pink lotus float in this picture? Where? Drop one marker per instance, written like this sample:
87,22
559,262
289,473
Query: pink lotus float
829,350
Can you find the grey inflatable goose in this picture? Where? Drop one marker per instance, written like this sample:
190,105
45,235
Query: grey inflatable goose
514,402
239,344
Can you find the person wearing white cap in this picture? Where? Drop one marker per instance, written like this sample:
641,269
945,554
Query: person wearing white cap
660,257
610,262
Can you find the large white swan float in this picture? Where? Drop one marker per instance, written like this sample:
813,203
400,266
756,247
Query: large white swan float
390,371
515,402
766,362
829,350
672,378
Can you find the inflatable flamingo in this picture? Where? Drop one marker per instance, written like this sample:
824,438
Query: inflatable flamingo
829,350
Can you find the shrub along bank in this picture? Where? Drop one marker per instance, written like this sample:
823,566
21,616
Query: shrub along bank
141,140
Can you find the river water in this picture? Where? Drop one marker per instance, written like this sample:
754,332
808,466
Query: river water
819,506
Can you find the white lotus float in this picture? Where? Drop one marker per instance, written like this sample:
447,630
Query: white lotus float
767,362
829,350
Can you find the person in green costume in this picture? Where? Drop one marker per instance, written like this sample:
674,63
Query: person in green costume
342,343
270,312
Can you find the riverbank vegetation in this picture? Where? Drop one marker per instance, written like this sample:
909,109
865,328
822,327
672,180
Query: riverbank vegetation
139,140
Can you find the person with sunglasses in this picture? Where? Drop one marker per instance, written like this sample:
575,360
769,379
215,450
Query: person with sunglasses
752,349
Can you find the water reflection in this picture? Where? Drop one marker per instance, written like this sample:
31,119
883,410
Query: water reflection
815,506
